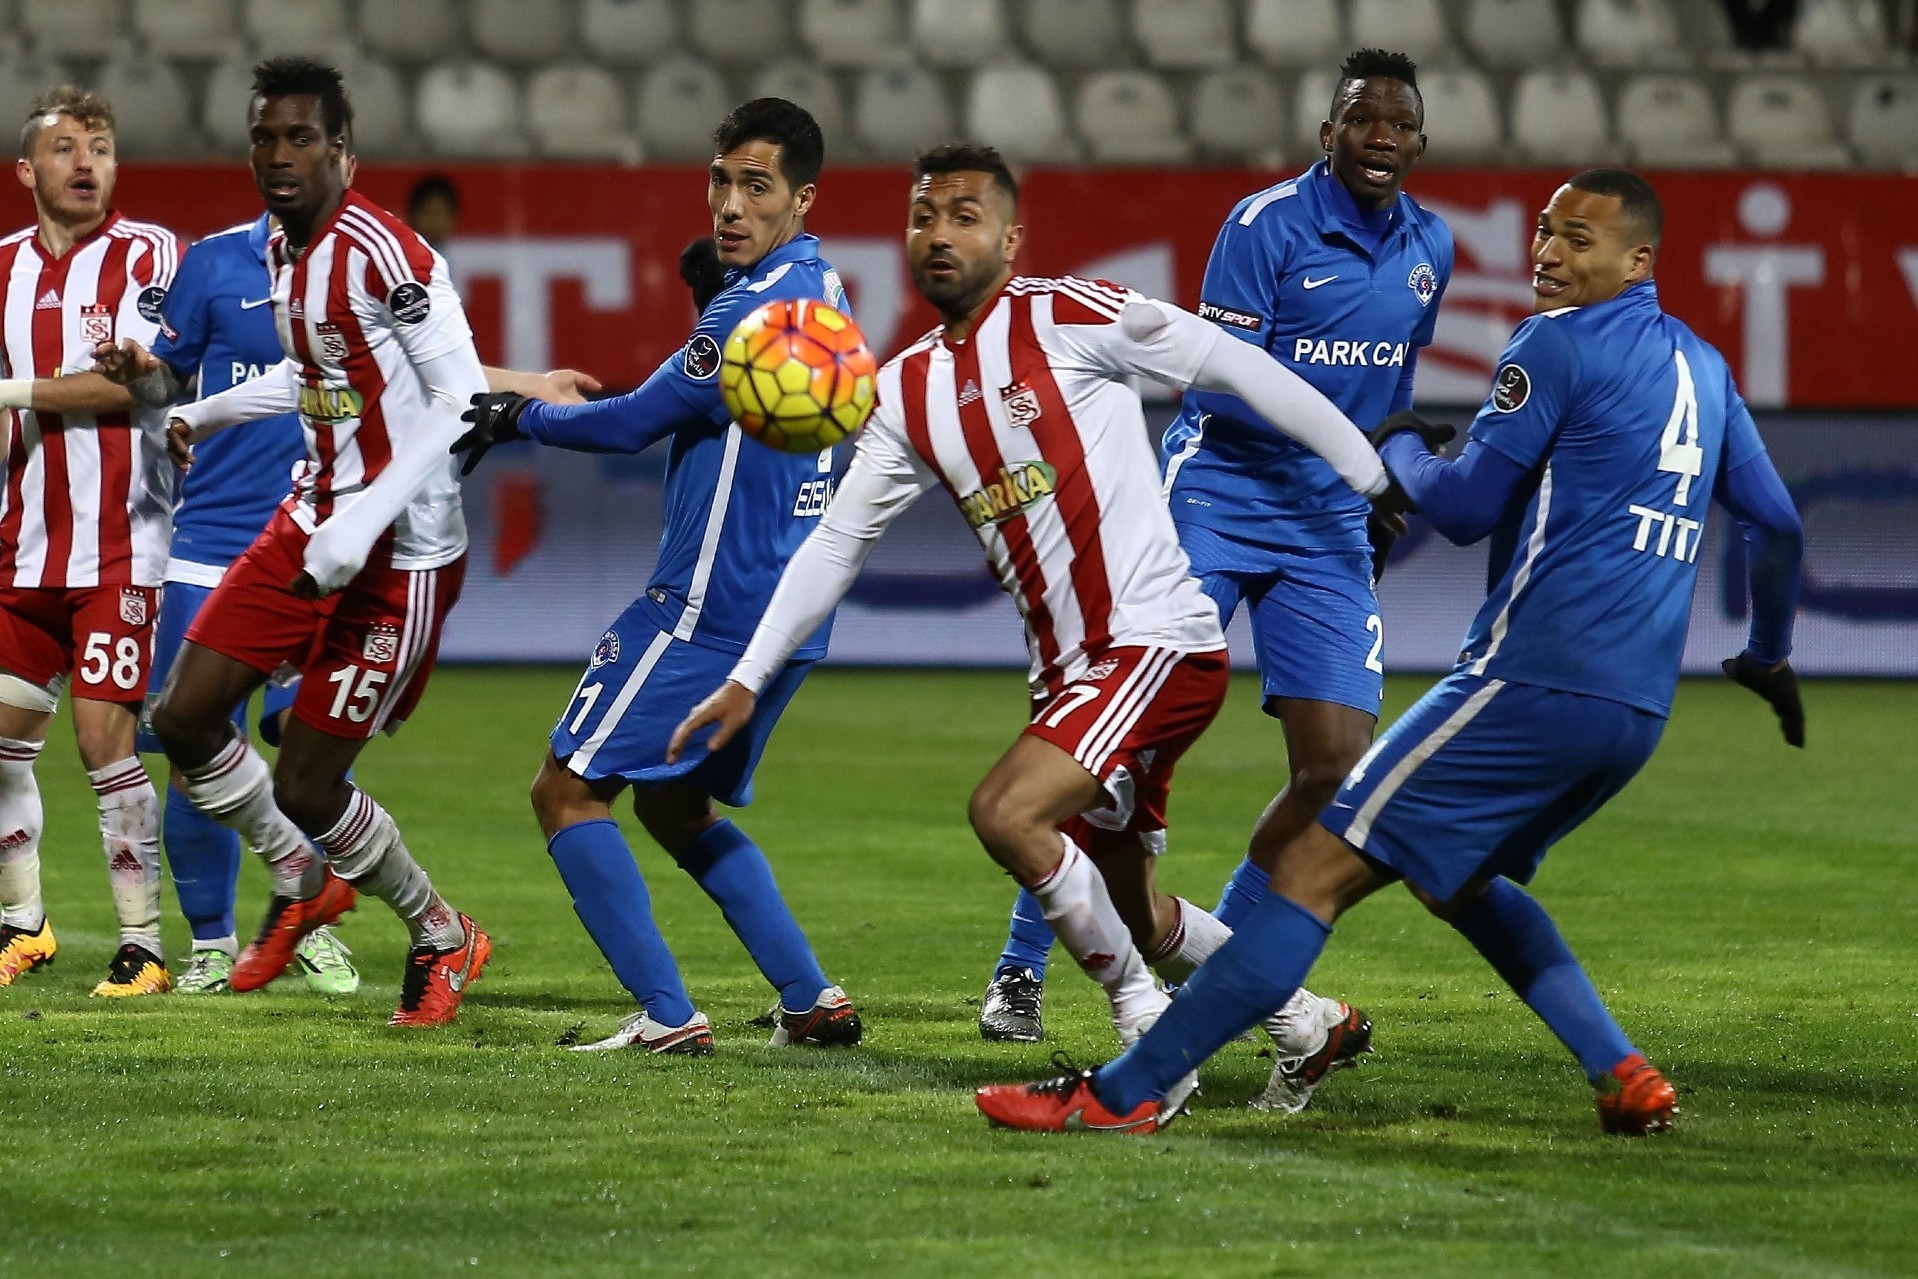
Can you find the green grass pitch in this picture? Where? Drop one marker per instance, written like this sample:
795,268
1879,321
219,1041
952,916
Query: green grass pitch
1748,910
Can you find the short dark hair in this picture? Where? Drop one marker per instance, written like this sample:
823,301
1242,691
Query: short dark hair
301,77
83,105
1635,196
434,186
967,157
787,125
1363,64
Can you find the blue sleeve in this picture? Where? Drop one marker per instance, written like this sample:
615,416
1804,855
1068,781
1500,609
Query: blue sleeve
1463,499
1742,441
1422,335
1774,551
186,315
629,423
1531,392
1402,393
1240,292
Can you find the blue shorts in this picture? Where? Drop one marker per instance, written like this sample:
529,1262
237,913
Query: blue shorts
1481,777
640,685
1316,629
179,604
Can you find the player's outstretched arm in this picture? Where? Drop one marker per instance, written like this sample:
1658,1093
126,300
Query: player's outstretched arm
556,386
1462,499
1774,553
126,363
81,393
274,392
629,423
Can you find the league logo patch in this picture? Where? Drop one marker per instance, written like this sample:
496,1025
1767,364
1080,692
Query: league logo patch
332,343
409,302
1511,387
702,357
1022,404
1424,283
382,644
606,651
133,606
96,324
152,298
1230,318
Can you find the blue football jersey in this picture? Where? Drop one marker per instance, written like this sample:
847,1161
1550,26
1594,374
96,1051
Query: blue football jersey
1626,420
219,329
735,511
1344,299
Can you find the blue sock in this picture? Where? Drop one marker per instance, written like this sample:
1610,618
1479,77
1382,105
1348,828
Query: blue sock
1518,938
204,858
1242,895
729,866
1244,980
1029,941
611,899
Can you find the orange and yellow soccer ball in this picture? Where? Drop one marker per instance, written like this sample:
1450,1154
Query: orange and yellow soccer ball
797,376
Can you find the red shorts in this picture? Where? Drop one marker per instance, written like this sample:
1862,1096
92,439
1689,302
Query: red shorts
100,635
364,652
1128,719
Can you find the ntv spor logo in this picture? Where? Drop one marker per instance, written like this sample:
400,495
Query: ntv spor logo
1018,485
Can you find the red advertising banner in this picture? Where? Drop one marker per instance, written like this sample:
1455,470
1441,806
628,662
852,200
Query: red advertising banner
1807,283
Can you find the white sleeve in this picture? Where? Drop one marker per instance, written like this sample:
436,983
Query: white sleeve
885,478
338,549
274,392
427,316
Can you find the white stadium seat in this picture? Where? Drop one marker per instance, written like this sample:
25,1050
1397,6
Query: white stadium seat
816,89
523,32
1461,117
1666,120
577,111
149,107
1558,117
1513,33
959,33
60,28
1781,123
899,110
24,76
382,114
470,109
1841,33
628,32
1017,109
223,103
1185,34
1884,121
1311,105
1414,27
1629,35
1237,115
188,30
1076,33
1130,117
309,28
681,101
740,31
1296,33
411,30
850,33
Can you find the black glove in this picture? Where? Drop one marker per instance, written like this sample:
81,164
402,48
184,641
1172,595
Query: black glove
1435,434
1778,685
700,268
495,419
1382,528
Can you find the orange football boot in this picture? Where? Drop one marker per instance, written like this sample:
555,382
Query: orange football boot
1634,1099
22,951
436,980
289,919
1065,1104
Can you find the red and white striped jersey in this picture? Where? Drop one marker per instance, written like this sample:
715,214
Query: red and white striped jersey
1031,425
87,500
359,310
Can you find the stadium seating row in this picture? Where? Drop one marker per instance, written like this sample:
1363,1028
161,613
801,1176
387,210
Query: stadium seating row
1127,116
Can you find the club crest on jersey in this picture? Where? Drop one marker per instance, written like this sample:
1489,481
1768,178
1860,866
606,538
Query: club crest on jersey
133,606
702,357
409,302
152,298
606,651
1100,670
382,643
332,342
1017,486
1511,387
96,323
1022,404
1423,283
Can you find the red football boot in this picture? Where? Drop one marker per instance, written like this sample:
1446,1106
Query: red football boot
1065,1104
288,920
1634,1099
436,980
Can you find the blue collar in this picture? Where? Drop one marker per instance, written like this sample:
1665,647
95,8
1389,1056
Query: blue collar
258,235
801,248
1365,227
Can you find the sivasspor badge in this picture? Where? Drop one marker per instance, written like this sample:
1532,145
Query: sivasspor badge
96,324
382,643
332,342
133,606
1424,283
606,651
1022,404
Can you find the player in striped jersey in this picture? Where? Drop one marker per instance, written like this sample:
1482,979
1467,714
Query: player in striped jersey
1019,405
84,514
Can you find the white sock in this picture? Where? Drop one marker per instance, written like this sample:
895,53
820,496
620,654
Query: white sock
1299,1027
1082,915
21,821
235,789
1193,939
130,834
366,850
228,945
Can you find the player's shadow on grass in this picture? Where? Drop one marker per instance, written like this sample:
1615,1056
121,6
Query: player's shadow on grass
607,1006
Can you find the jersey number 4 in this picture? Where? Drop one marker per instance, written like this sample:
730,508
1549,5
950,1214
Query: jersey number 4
1679,452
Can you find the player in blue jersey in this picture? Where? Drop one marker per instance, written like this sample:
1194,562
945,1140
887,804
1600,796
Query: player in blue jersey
734,514
1338,275
1609,429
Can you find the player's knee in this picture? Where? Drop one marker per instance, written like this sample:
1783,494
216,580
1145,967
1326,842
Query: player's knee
310,803
1318,774
182,734
994,816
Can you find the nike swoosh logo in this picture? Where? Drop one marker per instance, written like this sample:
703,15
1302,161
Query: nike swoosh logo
458,980
247,304
1076,1122
1311,283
